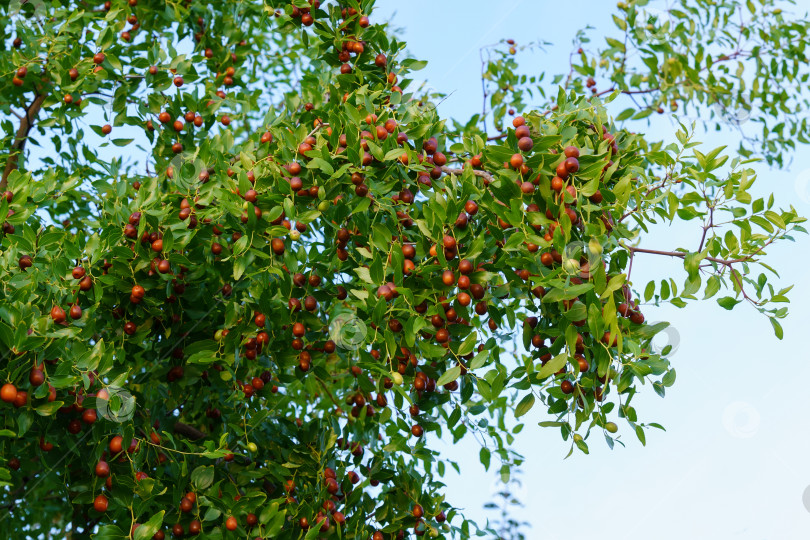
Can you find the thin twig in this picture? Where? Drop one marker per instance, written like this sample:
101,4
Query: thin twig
483,174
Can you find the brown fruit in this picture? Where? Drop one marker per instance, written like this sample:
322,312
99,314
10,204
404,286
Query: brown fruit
8,393
102,469
637,317
567,387
58,314
22,398
298,330
525,144
100,503
138,291
571,152
116,444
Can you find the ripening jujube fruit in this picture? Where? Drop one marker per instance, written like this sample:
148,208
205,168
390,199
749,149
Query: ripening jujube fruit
8,393
100,503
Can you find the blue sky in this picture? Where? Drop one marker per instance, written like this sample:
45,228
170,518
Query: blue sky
732,463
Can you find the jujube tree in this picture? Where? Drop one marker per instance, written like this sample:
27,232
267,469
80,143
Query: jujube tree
251,276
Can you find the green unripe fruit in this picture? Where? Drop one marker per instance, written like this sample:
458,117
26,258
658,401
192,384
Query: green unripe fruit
252,447
612,427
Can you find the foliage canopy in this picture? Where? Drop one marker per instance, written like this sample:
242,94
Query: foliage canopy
250,276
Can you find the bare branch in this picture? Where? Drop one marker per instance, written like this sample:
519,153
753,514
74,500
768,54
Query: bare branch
188,431
483,174
17,147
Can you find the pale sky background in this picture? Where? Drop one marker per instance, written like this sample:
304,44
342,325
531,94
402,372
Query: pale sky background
733,462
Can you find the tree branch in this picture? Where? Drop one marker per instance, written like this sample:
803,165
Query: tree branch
188,431
682,254
328,393
26,123
483,174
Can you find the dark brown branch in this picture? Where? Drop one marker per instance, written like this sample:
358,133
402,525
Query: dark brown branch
26,123
482,174
683,254
328,393
706,227
188,431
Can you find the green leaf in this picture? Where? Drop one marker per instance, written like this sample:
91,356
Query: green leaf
414,65
553,366
560,294
728,302
468,345
777,328
147,530
774,218
640,435
479,359
485,455
202,476
47,409
24,421
363,274
110,532
614,285
268,512
625,114
712,287
450,375
649,291
525,405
